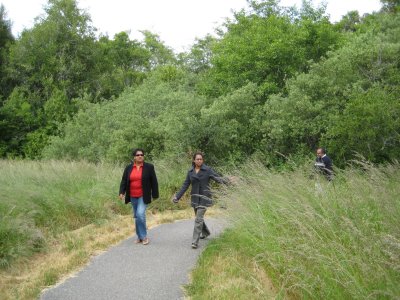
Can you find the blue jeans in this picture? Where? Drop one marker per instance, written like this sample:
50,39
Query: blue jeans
139,214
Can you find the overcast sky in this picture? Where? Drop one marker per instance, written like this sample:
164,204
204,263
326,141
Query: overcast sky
177,22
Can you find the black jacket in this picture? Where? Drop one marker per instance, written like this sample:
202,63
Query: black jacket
149,183
324,165
201,193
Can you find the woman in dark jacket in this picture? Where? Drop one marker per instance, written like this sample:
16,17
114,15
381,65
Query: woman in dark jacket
199,177
138,186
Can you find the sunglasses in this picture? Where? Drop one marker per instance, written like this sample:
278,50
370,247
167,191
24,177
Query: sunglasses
139,154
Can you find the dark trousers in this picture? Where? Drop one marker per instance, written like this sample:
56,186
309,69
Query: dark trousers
200,226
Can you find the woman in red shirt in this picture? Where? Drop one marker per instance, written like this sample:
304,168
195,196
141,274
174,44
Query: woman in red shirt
138,186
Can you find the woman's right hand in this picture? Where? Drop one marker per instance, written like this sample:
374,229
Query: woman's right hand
174,199
121,196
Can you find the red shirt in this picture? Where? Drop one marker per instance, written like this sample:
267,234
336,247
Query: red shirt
135,180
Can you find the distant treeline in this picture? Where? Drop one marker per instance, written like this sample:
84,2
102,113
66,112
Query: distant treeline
274,84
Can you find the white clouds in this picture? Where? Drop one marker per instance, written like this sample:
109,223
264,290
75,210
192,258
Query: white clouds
177,22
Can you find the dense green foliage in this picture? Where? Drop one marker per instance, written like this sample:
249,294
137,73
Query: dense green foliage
268,48
57,61
6,39
276,83
158,116
349,101
314,239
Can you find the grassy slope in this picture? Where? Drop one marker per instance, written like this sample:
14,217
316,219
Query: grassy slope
292,237
313,239
65,209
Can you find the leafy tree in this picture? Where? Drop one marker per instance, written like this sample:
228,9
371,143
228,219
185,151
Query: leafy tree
60,60
129,55
57,52
267,47
349,21
124,63
17,118
320,104
278,82
198,59
369,126
160,54
392,6
6,38
230,126
5,28
160,115
265,8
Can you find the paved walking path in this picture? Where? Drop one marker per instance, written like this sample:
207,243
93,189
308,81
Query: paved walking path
135,271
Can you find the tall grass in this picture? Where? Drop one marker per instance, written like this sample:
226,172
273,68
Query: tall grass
313,238
42,199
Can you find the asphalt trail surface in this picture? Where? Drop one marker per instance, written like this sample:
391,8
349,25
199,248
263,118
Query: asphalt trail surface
134,271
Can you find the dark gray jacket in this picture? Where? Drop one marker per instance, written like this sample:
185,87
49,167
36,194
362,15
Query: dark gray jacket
201,193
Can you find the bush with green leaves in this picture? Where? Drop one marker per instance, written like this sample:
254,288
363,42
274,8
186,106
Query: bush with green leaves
268,45
229,129
369,126
326,106
342,101
160,116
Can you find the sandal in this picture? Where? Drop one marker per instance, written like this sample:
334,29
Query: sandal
145,241
138,241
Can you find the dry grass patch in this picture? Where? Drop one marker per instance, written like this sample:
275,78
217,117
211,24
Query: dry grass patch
236,273
230,275
70,252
